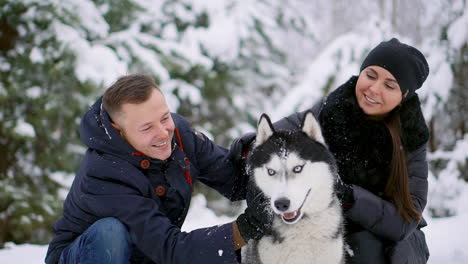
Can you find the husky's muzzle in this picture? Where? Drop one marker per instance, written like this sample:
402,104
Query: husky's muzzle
282,206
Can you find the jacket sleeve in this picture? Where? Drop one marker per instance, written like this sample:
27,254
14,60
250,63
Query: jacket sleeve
380,216
210,163
294,121
216,168
150,230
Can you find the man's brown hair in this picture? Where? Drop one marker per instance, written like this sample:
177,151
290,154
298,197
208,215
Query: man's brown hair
133,89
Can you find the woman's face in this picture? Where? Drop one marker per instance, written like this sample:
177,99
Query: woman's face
377,91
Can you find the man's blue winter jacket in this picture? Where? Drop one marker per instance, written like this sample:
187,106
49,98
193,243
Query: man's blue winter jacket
151,197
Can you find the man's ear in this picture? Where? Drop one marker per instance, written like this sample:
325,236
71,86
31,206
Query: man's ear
117,128
114,125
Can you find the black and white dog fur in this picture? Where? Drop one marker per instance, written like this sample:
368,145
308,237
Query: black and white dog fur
296,171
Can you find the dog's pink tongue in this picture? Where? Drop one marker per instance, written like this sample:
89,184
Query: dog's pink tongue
289,215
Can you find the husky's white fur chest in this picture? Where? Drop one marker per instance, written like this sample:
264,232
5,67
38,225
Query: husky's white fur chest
312,240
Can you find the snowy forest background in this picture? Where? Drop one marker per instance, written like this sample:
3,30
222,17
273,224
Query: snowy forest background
221,63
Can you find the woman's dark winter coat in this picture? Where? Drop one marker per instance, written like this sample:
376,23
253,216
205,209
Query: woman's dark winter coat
363,150
151,197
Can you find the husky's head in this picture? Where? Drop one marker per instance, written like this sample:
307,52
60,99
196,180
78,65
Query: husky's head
293,168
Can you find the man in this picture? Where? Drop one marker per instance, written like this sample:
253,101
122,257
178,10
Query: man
133,189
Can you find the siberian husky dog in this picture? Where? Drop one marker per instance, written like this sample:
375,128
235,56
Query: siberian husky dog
296,171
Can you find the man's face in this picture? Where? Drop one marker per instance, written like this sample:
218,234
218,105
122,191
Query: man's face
148,127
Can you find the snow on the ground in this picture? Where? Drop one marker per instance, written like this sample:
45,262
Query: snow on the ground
447,240
22,254
446,237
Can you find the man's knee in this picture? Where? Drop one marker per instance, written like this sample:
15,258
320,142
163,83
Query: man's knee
111,233
105,241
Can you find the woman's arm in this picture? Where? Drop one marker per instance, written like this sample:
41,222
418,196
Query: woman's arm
380,216
294,121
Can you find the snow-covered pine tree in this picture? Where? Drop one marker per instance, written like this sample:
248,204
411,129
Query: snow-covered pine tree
448,119
40,101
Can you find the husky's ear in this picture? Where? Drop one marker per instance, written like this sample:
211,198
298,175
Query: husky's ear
311,127
264,130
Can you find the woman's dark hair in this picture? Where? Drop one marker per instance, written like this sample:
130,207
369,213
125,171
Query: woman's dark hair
134,89
397,187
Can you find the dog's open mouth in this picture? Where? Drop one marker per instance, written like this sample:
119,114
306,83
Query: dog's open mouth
293,217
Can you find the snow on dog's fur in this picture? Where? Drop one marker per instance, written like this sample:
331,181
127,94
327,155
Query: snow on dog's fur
297,172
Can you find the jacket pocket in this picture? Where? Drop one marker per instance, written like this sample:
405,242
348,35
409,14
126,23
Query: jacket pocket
412,250
366,248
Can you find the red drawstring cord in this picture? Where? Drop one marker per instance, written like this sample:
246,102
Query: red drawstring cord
187,161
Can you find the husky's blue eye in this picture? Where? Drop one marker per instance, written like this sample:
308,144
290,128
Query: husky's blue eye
271,172
298,169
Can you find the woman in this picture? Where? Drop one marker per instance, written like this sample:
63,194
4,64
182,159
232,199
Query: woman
374,126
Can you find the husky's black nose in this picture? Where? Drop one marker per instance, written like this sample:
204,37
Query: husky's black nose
282,204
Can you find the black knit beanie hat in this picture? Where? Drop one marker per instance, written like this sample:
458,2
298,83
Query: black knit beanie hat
407,64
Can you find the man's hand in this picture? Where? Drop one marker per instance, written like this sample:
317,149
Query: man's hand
257,218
